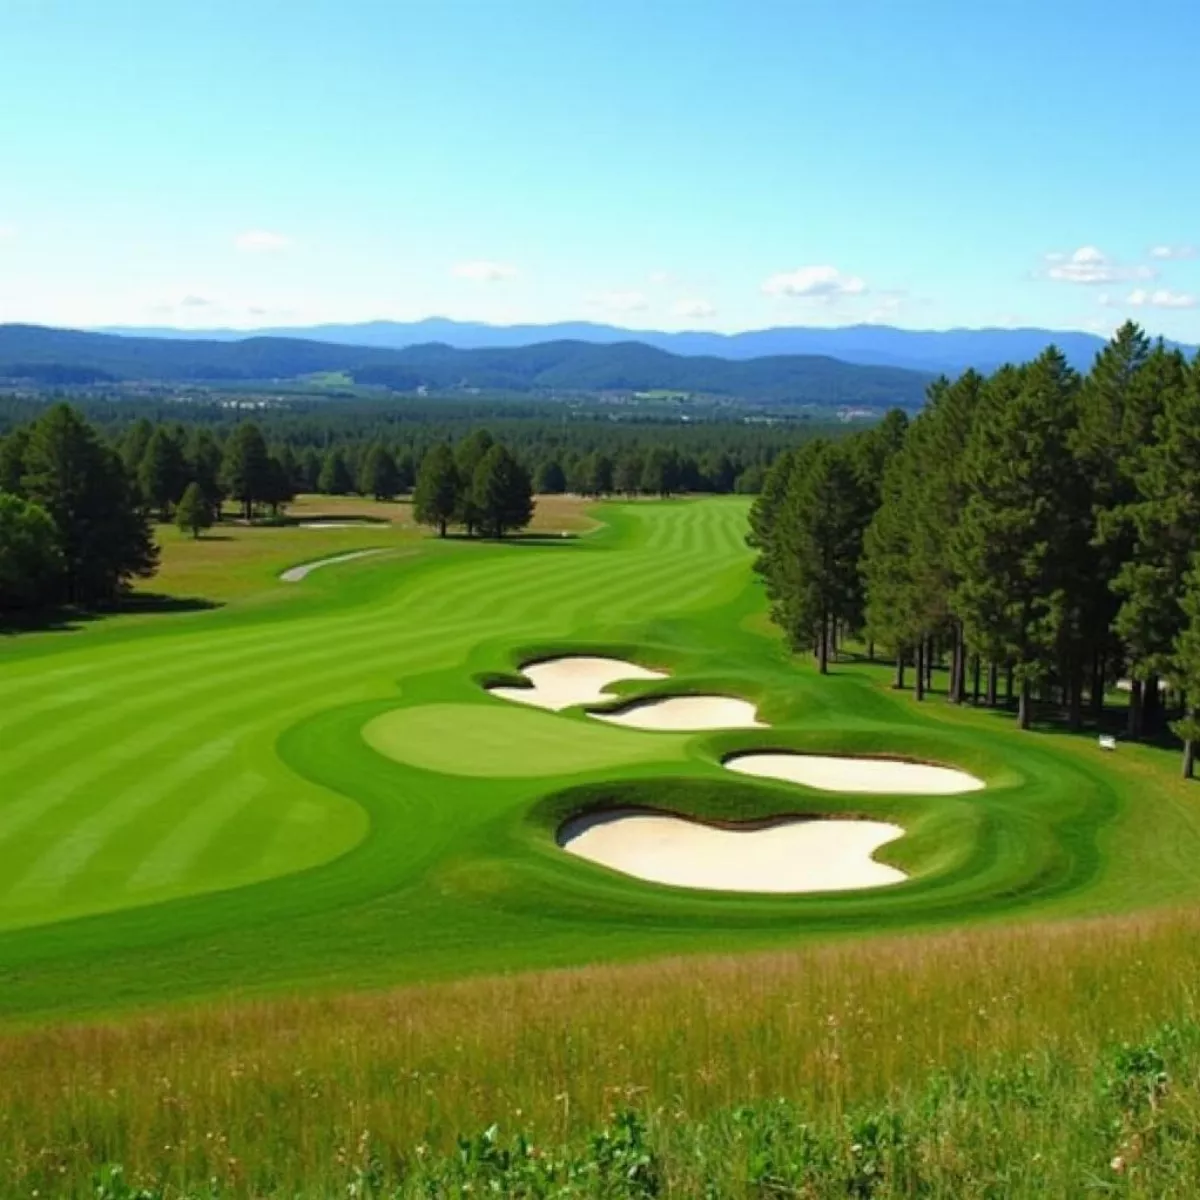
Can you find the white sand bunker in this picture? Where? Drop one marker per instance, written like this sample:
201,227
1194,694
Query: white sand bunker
559,683
839,774
295,574
364,523
685,714
788,855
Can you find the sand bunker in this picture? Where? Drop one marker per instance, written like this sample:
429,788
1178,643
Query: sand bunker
685,714
338,524
295,574
559,683
839,774
788,855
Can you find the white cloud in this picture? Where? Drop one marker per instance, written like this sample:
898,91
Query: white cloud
484,271
620,302
1161,298
1090,265
195,302
261,241
1174,252
658,278
822,283
6,232
699,309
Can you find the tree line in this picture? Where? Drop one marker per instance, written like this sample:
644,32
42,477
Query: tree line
1036,529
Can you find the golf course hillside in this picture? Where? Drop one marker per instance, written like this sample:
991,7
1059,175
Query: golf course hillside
331,780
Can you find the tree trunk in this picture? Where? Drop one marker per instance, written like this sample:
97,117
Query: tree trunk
1025,706
1151,706
441,528
871,650
1075,697
899,684
976,679
1097,686
929,657
958,668
823,646
920,666
993,680
1189,758
1134,726
1008,686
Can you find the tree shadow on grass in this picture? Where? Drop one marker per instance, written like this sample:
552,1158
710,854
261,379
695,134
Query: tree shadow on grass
71,620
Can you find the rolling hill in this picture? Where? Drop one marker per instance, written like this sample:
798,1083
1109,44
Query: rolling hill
936,351
58,356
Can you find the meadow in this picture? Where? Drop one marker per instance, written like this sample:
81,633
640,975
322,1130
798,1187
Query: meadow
211,886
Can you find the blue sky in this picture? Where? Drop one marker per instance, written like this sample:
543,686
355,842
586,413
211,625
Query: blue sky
716,164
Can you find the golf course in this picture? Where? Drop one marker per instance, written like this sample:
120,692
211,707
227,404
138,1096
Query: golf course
307,784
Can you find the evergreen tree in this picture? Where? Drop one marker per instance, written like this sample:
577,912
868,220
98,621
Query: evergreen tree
12,461
406,472
203,464
437,496
502,493
1186,668
1012,547
660,472
104,538
245,468
380,476
279,490
469,455
162,472
133,445
193,513
31,563
627,476
1162,524
335,478
310,470
550,478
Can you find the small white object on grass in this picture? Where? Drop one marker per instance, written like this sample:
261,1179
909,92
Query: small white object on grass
1107,742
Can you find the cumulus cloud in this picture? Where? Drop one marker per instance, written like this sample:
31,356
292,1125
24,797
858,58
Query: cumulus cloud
620,302
1090,265
261,241
1173,252
695,308
822,283
484,271
1160,298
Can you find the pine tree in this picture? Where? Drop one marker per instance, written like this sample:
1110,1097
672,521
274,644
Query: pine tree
467,458
12,461
1013,545
502,493
162,472
82,484
550,478
437,496
627,476
203,464
335,478
245,467
380,476
193,512
31,563
1186,667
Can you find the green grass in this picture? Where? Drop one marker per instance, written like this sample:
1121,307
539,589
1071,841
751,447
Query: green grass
197,804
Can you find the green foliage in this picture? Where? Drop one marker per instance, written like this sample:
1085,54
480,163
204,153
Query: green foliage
31,564
193,513
380,474
551,481
246,467
335,478
12,461
501,493
437,497
162,472
104,539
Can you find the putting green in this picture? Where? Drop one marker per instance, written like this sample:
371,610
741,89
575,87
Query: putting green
478,739
309,787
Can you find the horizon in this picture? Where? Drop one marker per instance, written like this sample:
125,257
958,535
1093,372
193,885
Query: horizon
713,171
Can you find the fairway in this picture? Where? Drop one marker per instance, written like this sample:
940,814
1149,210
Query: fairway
311,786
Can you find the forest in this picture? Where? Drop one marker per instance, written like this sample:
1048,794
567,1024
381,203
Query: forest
1035,526
81,488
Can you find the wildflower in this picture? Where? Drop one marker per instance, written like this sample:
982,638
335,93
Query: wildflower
1118,1164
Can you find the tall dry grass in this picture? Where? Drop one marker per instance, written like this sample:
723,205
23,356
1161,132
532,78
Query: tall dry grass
284,1094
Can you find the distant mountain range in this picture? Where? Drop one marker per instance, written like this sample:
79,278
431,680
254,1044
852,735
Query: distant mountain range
937,351
66,357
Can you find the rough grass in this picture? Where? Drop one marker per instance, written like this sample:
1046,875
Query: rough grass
1016,1062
